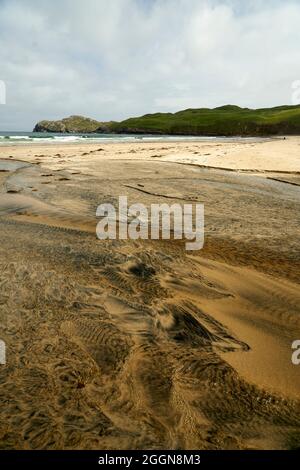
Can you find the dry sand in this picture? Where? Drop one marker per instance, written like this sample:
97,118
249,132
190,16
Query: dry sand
140,344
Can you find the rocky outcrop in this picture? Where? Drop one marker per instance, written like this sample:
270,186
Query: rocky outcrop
72,124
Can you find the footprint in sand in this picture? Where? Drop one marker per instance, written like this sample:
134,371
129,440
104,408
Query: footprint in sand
13,191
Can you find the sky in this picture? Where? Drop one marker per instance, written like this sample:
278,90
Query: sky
113,59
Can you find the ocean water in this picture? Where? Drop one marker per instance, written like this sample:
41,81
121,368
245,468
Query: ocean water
21,138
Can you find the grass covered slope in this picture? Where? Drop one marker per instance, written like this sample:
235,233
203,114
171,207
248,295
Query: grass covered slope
223,121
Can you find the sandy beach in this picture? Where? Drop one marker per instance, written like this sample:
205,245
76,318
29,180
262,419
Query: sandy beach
141,344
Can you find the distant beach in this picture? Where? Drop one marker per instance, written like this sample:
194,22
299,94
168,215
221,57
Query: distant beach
13,138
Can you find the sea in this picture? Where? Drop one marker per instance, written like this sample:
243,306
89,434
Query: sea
21,138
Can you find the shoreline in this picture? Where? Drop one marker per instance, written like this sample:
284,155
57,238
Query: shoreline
271,155
130,139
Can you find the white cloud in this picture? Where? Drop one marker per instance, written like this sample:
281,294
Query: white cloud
114,59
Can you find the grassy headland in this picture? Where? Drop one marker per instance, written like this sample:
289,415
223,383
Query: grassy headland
225,120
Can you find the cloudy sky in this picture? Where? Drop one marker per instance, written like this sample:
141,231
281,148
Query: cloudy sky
111,59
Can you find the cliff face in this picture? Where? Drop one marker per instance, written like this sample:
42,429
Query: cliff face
72,124
223,121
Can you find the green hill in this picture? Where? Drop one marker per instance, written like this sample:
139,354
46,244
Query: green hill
226,120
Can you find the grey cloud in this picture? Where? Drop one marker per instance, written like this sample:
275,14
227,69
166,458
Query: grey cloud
113,59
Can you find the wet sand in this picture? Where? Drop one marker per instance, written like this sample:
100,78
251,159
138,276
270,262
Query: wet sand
141,344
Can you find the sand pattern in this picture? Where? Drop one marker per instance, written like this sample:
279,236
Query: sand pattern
140,344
